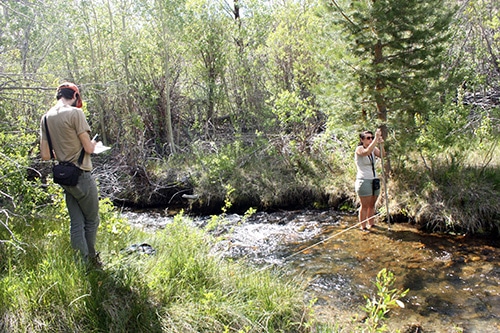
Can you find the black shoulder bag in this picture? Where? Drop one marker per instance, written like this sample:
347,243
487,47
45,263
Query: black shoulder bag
376,181
64,173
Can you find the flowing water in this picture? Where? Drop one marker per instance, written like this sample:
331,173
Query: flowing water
454,281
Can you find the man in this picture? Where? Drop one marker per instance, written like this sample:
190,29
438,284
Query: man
69,134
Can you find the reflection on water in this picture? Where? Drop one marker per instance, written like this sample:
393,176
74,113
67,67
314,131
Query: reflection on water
454,281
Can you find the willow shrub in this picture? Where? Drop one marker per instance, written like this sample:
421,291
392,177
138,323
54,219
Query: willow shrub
271,172
258,173
21,197
451,182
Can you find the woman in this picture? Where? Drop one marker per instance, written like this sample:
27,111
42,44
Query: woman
365,158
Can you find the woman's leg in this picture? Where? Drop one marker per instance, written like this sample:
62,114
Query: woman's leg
364,210
371,211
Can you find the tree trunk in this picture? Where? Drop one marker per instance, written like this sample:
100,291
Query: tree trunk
380,101
168,105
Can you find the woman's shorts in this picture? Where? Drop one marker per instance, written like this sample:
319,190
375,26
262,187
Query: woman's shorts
363,188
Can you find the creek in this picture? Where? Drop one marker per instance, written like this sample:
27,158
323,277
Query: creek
453,280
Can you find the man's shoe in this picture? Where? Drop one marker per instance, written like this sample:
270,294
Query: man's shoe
95,262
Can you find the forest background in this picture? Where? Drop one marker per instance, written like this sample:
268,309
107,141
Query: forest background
258,104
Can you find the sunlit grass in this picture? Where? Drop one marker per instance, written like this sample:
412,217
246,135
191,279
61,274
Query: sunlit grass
450,195
183,287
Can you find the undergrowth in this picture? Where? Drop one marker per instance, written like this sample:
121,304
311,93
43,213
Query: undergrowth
449,198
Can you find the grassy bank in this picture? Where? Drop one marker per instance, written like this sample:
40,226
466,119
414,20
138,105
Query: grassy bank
183,287
450,192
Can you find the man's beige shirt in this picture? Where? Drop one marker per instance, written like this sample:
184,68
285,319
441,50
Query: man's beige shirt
65,124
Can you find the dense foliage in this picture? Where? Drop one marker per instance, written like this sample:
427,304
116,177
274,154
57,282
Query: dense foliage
262,97
244,103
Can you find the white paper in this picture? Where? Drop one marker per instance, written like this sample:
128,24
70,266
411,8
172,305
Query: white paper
99,148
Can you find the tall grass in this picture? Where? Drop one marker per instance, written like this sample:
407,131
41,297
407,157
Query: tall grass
450,196
183,287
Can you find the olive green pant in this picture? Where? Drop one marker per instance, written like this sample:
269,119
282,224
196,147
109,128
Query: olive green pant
364,188
82,202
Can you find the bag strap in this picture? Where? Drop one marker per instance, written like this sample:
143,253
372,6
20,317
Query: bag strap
48,137
82,153
371,157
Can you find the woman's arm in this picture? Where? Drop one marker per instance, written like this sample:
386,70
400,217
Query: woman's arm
372,147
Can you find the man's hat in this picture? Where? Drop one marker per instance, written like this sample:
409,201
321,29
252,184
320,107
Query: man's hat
72,86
